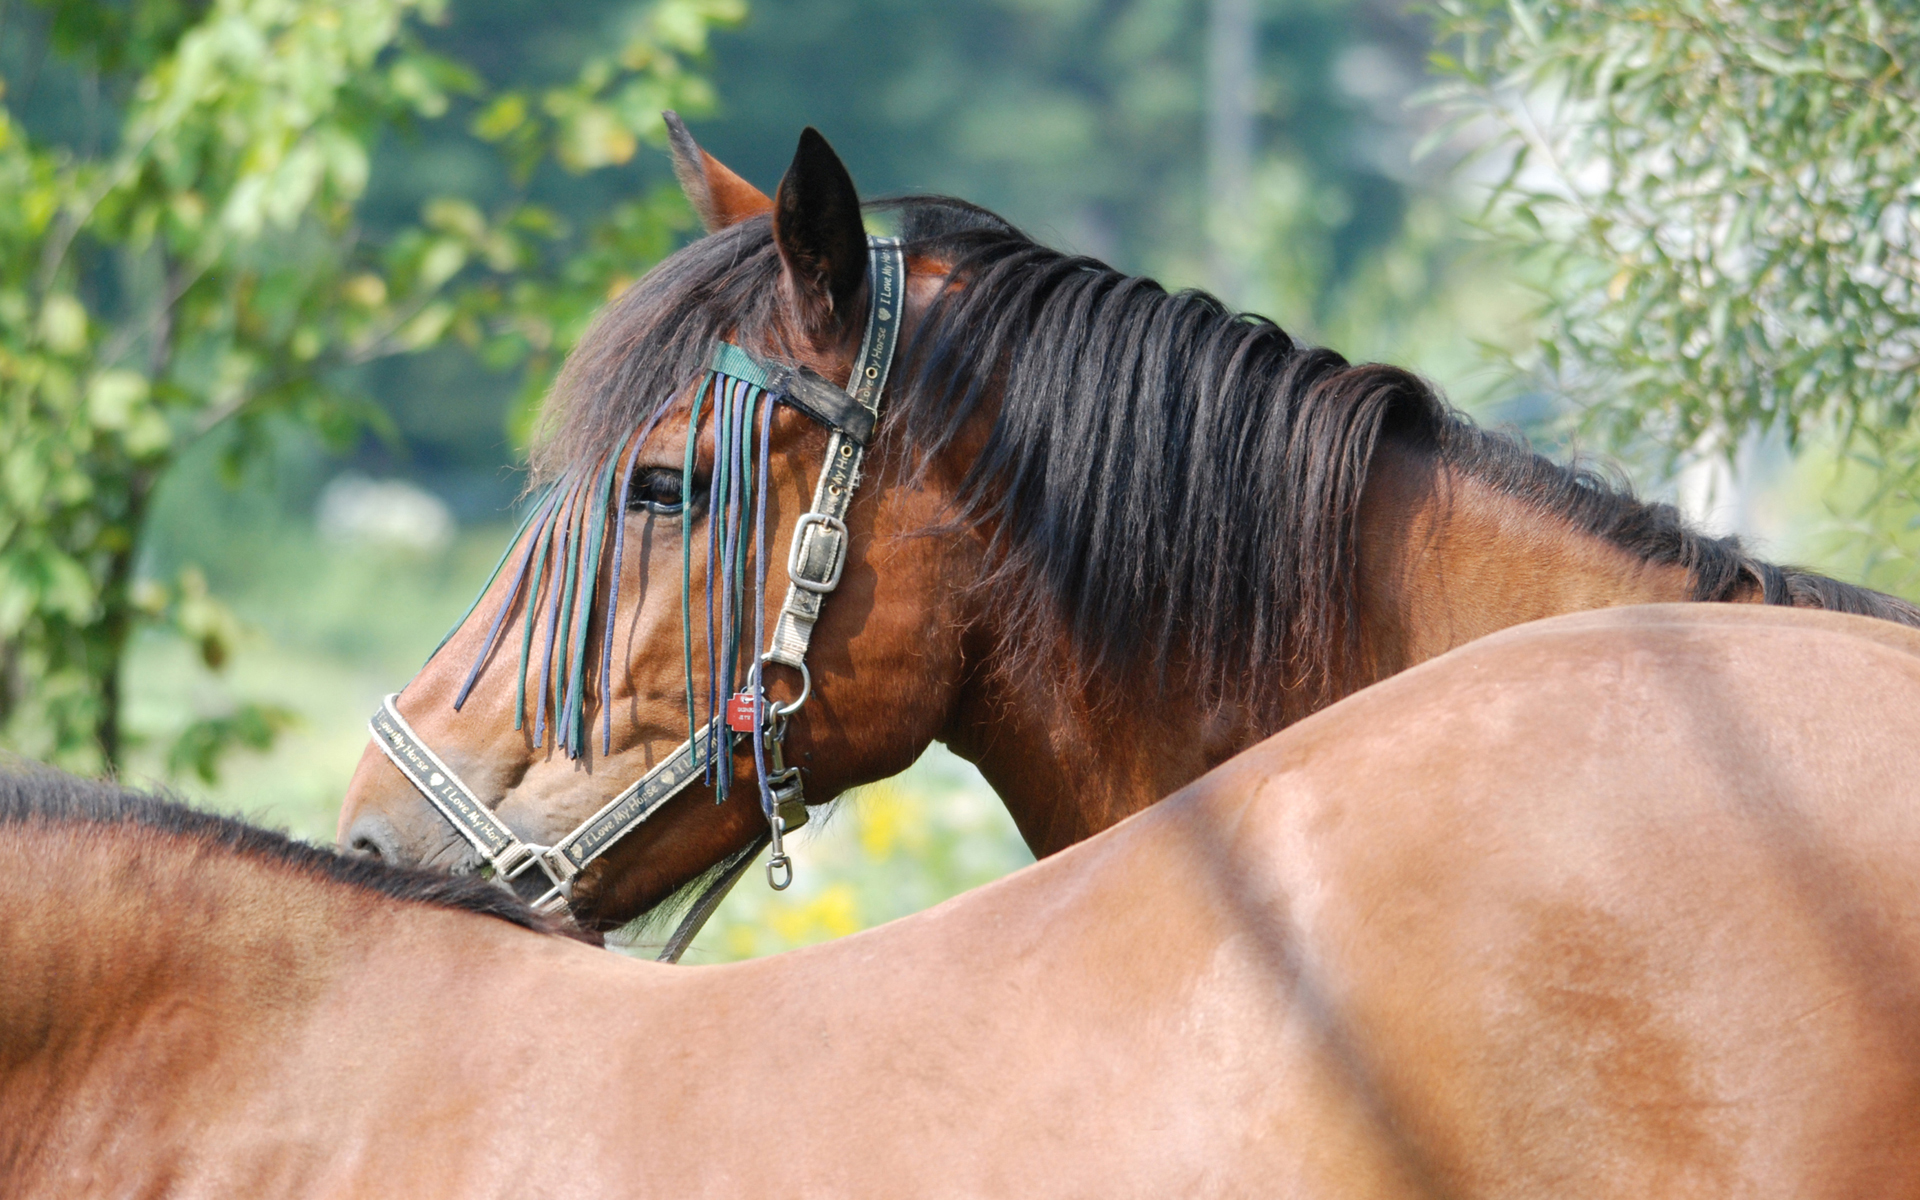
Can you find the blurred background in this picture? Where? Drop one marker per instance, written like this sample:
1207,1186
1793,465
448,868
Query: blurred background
281,285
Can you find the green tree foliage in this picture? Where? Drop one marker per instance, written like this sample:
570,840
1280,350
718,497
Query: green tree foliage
1725,194
188,262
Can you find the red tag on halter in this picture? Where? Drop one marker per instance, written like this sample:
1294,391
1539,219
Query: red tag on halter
740,717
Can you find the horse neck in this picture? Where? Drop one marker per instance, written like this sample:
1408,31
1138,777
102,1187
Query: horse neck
104,915
1446,557
153,983
1065,772
1443,558
112,925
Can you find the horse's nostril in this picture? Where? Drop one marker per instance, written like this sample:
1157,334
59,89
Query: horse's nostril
372,838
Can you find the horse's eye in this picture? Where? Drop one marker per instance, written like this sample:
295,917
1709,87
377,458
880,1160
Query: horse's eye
657,490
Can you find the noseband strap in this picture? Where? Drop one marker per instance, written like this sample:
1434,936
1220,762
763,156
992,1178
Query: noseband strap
502,849
814,564
447,792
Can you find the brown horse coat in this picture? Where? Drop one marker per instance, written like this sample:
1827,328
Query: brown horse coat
1620,904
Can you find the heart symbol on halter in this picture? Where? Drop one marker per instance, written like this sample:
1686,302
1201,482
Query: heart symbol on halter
436,779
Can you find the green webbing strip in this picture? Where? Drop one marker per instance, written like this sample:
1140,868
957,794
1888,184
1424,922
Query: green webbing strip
686,547
720,648
565,551
729,359
571,726
577,681
572,548
526,635
742,525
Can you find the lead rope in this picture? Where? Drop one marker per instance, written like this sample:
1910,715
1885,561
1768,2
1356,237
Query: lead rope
696,916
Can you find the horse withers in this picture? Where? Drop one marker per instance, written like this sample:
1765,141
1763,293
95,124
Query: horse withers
1107,537
1615,905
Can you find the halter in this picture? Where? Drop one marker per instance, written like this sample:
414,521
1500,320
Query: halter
814,563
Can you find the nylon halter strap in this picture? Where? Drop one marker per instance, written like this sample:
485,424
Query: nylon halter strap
814,563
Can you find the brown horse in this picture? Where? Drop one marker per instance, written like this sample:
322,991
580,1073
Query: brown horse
1110,537
1616,905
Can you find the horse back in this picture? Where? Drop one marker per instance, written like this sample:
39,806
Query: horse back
1623,903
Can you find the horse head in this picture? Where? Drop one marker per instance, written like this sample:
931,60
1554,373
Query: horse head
618,624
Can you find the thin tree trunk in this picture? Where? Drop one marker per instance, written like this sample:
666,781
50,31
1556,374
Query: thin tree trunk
116,593
116,630
1232,63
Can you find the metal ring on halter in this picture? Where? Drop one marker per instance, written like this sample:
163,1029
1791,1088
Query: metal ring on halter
776,709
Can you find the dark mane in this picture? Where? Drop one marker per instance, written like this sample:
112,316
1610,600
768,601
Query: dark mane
1131,422
44,796
652,341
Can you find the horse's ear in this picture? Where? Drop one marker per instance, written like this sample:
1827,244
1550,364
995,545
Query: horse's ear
717,194
816,224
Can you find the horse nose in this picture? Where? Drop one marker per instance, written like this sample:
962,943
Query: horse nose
372,837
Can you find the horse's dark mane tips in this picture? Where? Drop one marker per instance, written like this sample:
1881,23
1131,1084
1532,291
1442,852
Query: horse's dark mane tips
1605,507
653,341
937,220
1602,504
40,795
1129,421
1807,589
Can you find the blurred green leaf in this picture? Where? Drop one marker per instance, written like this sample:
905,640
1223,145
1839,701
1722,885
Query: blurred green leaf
201,745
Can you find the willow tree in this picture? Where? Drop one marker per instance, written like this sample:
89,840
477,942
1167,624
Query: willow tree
1725,195
187,262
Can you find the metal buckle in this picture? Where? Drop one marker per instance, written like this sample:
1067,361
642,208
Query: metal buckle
558,870
515,860
789,800
552,902
787,789
794,571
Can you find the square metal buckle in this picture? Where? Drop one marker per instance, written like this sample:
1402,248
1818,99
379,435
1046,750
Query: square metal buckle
794,553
